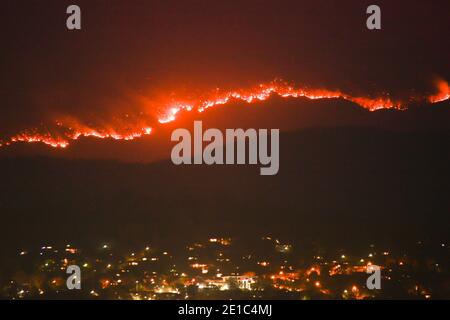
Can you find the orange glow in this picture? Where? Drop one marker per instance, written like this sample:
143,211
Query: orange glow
59,142
280,89
443,94
315,269
105,283
46,139
70,129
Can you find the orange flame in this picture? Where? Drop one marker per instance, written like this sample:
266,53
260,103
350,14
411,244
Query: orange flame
443,94
265,91
73,129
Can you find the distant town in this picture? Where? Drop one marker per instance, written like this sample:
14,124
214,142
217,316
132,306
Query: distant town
226,268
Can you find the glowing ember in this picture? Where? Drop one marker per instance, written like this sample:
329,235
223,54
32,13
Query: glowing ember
72,129
46,139
74,135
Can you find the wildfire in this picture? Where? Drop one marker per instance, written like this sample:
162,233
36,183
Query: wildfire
63,142
443,94
71,129
46,139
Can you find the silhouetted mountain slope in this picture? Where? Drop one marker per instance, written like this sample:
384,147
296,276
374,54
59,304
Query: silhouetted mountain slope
334,185
286,114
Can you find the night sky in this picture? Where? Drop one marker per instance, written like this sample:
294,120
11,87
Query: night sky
130,57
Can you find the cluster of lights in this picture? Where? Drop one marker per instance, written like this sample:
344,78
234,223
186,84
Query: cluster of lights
133,275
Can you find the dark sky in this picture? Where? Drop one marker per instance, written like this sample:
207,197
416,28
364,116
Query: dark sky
133,50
